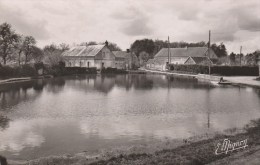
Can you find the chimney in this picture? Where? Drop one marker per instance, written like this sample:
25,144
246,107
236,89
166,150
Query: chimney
106,43
128,50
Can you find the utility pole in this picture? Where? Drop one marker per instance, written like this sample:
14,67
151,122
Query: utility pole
209,52
169,50
240,54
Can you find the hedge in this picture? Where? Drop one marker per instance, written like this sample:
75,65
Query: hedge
218,70
113,70
19,71
31,71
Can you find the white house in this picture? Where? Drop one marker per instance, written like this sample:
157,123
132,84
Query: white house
98,56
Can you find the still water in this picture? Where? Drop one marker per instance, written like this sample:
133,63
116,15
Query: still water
89,113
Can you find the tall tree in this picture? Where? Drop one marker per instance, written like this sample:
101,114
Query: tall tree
252,58
220,50
53,54
113,46
232,58
19,48
28,47
8,40
37,54
144,45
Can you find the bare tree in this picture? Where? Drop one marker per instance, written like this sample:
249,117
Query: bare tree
53,54
64,47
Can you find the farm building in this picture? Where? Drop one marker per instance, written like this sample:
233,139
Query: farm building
125,59
198,61
98,56
191,55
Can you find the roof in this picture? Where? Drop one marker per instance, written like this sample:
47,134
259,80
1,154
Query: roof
199,60
91,50
157,61
120,54
185,52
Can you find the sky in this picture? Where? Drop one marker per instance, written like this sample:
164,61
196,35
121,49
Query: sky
234,22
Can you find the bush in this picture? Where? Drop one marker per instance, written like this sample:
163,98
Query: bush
219,70
113,71
20,71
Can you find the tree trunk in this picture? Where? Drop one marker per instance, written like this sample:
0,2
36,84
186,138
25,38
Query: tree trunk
26,58
19,59
4,58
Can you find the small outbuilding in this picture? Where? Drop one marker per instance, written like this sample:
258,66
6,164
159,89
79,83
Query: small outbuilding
125,59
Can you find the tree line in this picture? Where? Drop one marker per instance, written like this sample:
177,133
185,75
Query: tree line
18,49
146,49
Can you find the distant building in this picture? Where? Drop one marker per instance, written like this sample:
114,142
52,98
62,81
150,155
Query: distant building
125,59
98,56
191,55
258,62
198,61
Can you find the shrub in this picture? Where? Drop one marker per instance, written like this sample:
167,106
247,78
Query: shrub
112,71
19,71
219,70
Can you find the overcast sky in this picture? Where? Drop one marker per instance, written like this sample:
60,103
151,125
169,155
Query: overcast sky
233,22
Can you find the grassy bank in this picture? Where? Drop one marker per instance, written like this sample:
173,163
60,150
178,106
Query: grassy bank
202,152
195,153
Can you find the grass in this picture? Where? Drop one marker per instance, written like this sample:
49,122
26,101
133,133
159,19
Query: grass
197,153
194,153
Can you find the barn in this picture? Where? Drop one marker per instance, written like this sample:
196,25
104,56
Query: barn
188,55
98,56
125,59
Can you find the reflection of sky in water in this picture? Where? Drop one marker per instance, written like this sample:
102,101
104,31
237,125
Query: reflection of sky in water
59,116
20,134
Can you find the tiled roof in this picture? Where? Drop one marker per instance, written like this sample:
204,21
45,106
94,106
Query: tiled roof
120,54
199,60
186,52
90,50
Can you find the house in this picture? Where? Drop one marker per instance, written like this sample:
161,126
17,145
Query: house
191,55
125,59
198,61
258,62
89,56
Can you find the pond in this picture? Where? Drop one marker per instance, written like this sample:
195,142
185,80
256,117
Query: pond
94,112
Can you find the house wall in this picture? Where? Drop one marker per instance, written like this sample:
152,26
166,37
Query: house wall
105,57
79,62
190,62
178,60
120,63
258,61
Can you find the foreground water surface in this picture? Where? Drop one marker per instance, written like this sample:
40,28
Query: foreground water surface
89,113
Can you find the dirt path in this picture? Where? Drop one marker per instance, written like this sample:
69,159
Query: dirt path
243,80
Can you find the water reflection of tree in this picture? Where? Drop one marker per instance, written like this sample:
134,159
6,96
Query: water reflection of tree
14,93
55,85
4,122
